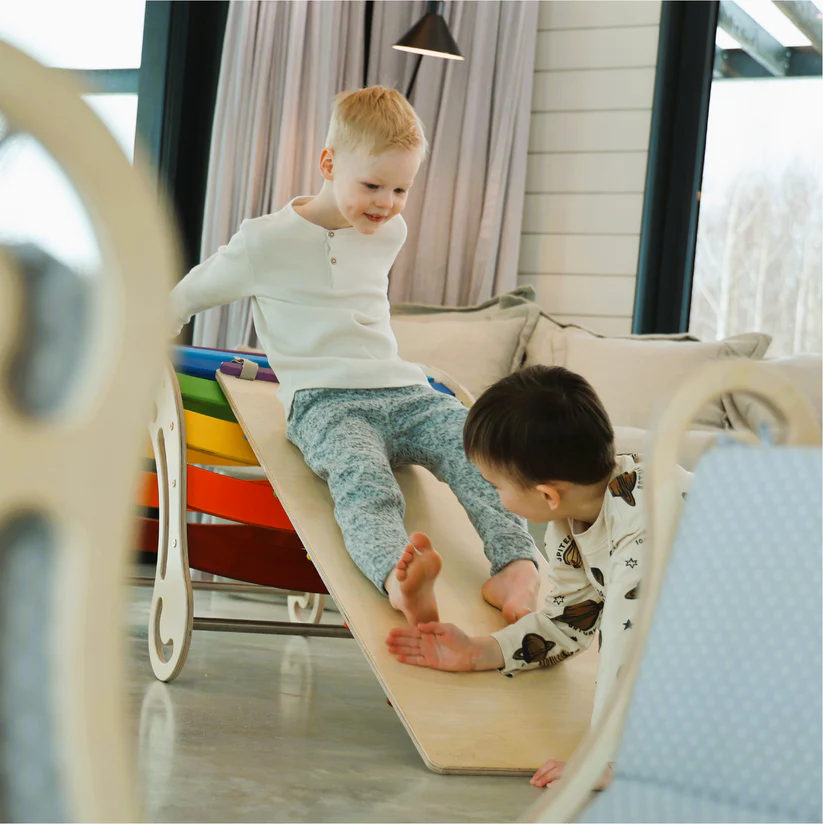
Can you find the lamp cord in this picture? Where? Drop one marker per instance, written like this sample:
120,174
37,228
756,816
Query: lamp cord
414,76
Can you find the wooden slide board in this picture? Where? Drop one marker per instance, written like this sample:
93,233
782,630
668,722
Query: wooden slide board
471,723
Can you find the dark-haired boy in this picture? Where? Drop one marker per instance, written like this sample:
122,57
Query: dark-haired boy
542,438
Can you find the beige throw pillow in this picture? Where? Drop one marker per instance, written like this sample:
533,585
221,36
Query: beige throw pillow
517,297
636,378
475,354
539,349
516,304
542,345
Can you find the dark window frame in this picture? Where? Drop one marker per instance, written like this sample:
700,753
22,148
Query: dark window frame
688,62
674,171
182,50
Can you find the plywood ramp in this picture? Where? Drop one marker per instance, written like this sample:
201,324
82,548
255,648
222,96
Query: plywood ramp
477,723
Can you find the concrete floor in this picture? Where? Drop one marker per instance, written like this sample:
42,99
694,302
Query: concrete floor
279,728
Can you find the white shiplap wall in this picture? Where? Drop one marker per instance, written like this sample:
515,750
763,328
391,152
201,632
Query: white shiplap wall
589,137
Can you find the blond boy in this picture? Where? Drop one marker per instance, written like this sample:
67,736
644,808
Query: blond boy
317,273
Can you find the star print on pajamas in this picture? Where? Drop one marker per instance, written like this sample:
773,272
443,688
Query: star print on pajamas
630,562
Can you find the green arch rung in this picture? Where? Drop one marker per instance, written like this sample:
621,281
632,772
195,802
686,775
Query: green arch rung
204,396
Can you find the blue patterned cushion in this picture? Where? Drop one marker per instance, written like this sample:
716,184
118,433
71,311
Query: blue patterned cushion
726,712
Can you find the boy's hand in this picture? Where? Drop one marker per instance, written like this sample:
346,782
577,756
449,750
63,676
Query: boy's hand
444,647
548,773
552,770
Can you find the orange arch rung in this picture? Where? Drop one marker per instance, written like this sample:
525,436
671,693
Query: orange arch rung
244,501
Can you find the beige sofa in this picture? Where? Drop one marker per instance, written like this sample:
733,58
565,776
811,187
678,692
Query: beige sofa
634,375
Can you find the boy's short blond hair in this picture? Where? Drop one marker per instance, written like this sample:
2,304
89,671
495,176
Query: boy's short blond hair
375,119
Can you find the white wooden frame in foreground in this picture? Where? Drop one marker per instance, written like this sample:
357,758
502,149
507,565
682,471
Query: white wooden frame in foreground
78,469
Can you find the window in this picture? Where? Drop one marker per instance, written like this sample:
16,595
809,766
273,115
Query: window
732,231
100,42
759,253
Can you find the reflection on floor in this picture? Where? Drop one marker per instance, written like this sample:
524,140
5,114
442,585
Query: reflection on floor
279,728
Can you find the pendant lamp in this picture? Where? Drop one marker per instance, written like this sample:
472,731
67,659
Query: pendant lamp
429,36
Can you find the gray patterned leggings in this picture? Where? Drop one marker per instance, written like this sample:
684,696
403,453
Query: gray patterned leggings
352,438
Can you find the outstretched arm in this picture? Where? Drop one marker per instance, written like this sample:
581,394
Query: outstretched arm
567,622
226,276
444,647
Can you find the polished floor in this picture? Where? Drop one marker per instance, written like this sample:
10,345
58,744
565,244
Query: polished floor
283,728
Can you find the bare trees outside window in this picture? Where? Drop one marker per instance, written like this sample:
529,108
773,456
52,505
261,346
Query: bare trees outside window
759,257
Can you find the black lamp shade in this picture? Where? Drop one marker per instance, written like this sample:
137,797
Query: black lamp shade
430,35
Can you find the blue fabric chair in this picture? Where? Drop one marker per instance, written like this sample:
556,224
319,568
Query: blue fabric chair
724,722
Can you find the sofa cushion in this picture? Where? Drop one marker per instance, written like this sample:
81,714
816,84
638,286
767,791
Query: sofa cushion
522,295
804,371
540,348
517,304
636,377
543,343
475,354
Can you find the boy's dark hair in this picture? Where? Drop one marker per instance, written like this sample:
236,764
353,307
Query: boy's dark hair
543,423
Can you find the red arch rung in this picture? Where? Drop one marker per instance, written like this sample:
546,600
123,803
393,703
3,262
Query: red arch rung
270,557
235,499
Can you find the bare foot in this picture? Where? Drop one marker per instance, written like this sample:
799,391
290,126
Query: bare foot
411,584
514,589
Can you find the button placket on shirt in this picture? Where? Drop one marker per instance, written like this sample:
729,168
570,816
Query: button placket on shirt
332,256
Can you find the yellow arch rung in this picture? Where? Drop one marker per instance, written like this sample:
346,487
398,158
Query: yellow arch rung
194,456
197,456
218,438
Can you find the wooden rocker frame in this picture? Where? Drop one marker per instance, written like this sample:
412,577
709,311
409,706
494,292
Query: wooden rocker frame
799,426
180,487
177,435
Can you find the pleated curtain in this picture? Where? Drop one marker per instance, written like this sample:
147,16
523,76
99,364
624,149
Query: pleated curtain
283,63
465,210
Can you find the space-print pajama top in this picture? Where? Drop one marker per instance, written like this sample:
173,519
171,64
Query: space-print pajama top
596,572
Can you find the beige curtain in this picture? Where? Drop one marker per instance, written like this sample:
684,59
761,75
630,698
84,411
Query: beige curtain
283,62
465,210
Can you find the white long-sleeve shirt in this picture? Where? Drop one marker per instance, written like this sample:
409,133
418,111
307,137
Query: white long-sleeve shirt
319,300
596,572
